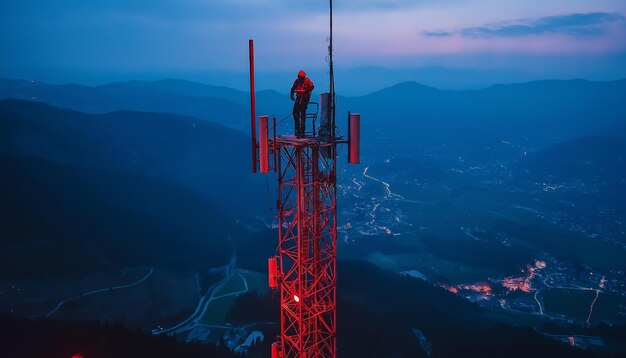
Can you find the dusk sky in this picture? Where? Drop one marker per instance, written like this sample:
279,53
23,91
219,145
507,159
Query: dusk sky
100,41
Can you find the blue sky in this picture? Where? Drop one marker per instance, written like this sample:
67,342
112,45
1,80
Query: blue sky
100,41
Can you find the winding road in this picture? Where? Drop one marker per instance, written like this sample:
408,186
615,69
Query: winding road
539,303
388,193
193,320
591,307
60,304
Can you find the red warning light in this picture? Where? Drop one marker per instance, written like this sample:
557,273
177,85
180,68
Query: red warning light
78,355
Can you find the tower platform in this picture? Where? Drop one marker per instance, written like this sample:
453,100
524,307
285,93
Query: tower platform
290,140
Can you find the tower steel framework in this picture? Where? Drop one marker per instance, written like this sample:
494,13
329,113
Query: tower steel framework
305,265
307,246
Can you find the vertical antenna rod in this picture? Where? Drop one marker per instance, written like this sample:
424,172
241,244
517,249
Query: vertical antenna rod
332,75
252,104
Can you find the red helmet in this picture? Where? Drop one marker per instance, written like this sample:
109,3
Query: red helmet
301,74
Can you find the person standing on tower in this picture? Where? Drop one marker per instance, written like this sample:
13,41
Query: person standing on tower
302,87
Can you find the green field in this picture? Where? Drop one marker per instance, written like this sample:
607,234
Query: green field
218,308
576,303
453,272
234,284
569,302
256,281
607,308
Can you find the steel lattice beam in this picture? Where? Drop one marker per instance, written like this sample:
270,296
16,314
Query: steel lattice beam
307,230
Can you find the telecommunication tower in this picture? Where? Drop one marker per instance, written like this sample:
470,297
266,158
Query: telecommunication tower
305,265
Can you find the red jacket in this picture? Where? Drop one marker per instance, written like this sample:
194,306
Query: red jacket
302,88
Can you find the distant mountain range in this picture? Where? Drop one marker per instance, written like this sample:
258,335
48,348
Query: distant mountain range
206,157
409,116
221,105
597,157
365,80
406,116
82,192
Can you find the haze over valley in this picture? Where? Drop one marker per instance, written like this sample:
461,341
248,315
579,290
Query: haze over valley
133,203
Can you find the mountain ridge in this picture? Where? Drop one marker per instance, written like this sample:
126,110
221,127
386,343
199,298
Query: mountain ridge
199,86
174,148
531,114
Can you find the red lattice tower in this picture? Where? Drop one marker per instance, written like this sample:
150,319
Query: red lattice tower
306,262
305,265
307,250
